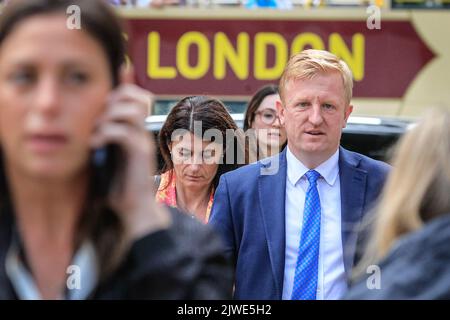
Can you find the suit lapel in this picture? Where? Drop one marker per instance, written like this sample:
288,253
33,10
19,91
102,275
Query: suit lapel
272,190
353,185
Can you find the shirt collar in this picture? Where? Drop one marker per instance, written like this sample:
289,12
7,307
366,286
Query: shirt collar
83,273
328,169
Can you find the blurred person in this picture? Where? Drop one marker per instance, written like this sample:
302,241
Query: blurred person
163,3
147,3
194,163
262,116
274,4
409,243
142,3
292,232
65,98
117,2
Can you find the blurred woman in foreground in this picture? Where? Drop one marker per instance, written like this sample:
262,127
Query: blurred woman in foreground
408,254
77,223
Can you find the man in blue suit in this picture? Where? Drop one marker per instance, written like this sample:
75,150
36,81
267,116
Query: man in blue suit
291,222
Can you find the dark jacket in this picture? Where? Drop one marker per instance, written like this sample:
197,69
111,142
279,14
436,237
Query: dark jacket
418,267
183,262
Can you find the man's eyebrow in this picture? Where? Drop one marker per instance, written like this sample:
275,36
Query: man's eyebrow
331,100
298,100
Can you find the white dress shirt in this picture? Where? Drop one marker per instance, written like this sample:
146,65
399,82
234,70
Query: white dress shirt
85,260
332,282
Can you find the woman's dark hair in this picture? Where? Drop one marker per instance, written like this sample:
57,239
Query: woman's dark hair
98,223
97,18
255,102
213,115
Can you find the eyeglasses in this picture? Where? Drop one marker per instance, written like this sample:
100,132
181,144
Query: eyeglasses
268,116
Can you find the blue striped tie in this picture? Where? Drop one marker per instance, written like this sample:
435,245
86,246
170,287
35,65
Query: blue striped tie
306,270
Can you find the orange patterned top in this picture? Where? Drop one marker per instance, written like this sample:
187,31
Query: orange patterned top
167,193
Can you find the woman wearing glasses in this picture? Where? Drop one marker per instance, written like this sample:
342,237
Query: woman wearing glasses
261,116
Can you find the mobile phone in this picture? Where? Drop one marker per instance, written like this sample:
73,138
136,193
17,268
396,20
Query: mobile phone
107,165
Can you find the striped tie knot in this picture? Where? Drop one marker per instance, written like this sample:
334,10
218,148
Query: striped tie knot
312,176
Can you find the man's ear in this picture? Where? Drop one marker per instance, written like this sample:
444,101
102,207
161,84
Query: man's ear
280,111
347,113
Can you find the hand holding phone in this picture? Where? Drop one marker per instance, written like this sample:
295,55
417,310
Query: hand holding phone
124,159
107,165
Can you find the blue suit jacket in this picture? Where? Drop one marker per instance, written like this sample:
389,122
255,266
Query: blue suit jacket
249,213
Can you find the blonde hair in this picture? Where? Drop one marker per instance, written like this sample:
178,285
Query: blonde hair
309,63
417,189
